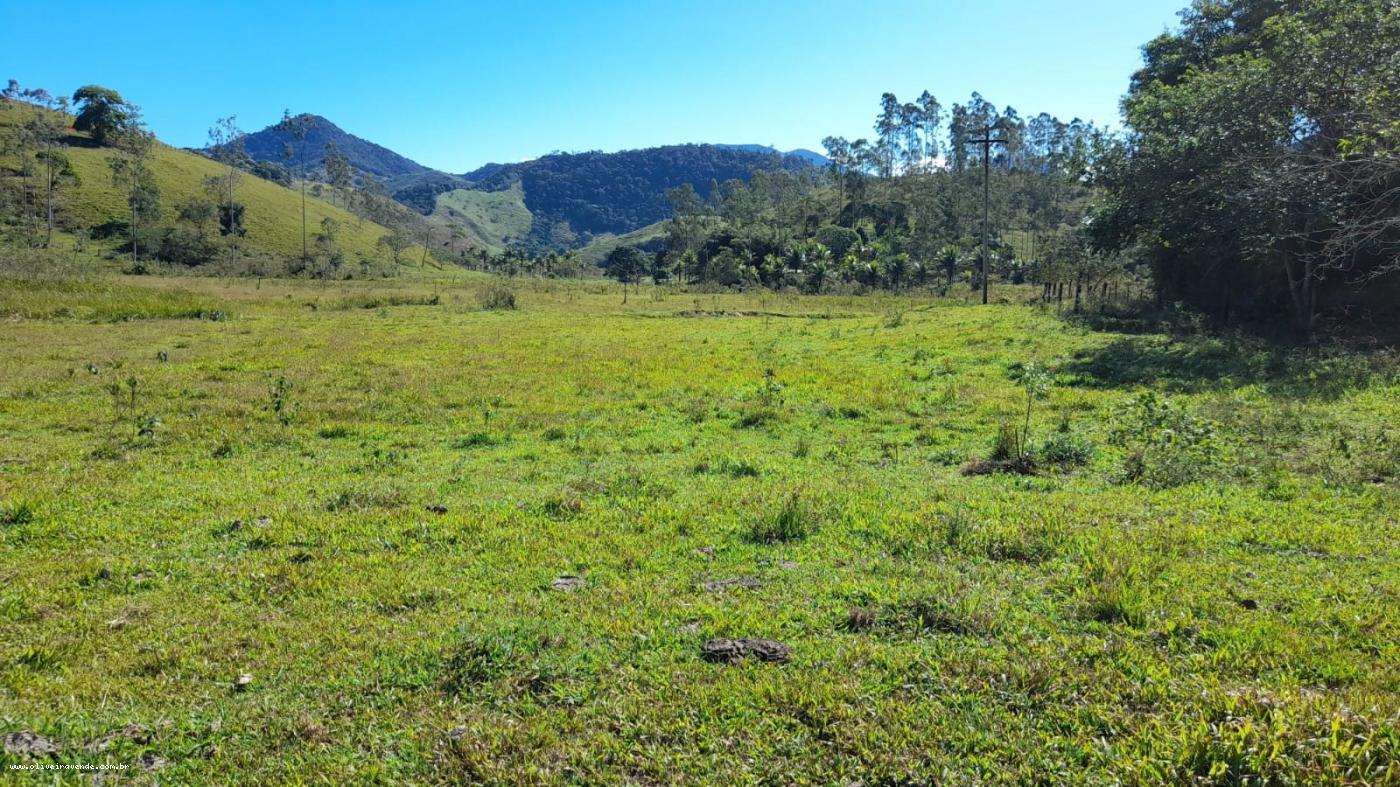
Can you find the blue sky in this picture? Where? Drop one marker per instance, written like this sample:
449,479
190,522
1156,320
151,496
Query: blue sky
455,85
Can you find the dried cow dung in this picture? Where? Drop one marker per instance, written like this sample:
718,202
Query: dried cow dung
28,743
569,583
733,651
721,585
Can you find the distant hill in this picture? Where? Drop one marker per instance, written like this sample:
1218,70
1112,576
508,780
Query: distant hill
648,238
494,220
273,212
575,196
271,143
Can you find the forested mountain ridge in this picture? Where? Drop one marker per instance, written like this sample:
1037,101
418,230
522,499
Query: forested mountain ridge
307,137
574,196
811,156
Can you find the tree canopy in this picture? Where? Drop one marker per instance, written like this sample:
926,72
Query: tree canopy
102,113
1261,173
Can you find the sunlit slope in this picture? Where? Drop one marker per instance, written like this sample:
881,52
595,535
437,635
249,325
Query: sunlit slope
273,212
491,219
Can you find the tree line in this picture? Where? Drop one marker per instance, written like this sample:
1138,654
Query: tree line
1260,175
901,209
1257,178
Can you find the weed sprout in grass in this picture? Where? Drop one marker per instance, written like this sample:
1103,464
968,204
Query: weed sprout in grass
796,518
279,400
19,513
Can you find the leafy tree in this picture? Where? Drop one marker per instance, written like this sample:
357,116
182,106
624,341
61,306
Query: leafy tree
627,265
297,127
327,247
396,242
198,213
338,171
103,113
660,267
1260,173
35,143
131,172
45,131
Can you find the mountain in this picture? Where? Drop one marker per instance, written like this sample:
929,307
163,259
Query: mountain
271,143
558,201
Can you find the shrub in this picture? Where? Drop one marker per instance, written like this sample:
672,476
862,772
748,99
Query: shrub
477,440
1065,449
1168,445
496,299
1011,451
184,247
734,468
21,513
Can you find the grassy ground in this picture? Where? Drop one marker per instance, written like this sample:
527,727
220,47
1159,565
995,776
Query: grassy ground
358,497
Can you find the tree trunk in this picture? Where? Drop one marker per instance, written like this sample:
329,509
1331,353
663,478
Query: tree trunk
1302,290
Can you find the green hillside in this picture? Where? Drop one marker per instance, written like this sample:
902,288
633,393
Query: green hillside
601,246
492,219
273,216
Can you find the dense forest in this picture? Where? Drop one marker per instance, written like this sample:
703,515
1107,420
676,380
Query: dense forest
1261,172
904,208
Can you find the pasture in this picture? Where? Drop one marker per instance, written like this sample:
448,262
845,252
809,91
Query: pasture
394,532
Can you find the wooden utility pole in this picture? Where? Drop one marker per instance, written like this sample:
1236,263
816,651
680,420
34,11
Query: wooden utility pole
986,142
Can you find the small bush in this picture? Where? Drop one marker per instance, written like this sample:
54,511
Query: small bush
734,468
960,614
477,440
477,660
496,299
1111,590
363,499
1065,449
755,418
1168,445
562,507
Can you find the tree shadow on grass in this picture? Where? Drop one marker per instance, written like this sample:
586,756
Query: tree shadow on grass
1216,362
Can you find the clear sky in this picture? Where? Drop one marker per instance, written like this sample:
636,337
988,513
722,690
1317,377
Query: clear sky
454,85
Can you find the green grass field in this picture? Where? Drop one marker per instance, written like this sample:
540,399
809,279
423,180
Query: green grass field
309,533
